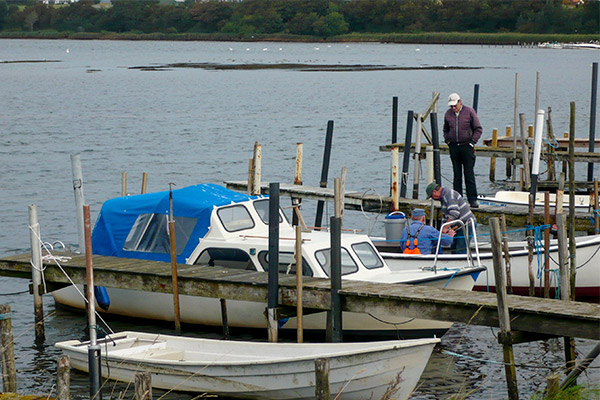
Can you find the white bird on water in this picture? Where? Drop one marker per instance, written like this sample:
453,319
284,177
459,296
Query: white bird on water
67,50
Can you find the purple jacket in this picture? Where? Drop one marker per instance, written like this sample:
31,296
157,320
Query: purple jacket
469,127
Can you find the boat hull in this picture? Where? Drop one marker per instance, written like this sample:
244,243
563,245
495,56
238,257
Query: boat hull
258,370
587,260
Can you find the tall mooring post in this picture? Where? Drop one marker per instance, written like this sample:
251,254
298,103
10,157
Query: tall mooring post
503,315
36,273
273,284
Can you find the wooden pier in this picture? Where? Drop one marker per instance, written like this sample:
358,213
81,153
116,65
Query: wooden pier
515,215
529,315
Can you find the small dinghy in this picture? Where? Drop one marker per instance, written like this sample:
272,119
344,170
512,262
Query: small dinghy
259,370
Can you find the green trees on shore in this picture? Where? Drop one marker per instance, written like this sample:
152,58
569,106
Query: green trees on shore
313,18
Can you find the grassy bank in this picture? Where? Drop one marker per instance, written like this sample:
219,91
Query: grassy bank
417,38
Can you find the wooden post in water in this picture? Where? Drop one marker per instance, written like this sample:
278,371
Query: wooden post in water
322,379
7,355
250,175
256,169
537,97
324,172
394,119
503,315
565,163
124,183
590,175
173,250
516,113
429,161
476,96
78,192
297,181
437,174
417,168
299,311
511,163
524,152
336,271
63,378
493,159
144,182
36,273
342,190
546,244
224,319
561,230
551,149
551,386
395,177
143,386
572,246
406,159
505,250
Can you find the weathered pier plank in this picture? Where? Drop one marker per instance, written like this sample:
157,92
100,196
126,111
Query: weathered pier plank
536,315
516,216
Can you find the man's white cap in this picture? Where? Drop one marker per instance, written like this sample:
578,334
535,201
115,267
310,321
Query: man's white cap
453,99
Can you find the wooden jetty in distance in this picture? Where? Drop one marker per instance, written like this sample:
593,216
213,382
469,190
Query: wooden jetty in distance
353,200
532,316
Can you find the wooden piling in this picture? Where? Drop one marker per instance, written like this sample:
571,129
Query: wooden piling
63,378
511,162
493,159
503,314
143,386
505,250
124,183
299,311
36,274
417,155
144,182
593,100
394,119
530,246
273,273
516,113
250,175
561,230
78,192
552,386
224,319
7,355
173,251
572,246
257,169
324,172
525,152
551,150
395,178
297,180
322,379
429,161
406,158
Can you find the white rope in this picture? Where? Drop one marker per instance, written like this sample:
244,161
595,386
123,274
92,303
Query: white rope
57,260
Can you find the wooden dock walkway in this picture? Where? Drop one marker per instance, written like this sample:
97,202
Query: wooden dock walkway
516,216
529,315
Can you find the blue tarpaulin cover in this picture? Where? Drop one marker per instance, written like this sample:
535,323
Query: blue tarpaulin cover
118,216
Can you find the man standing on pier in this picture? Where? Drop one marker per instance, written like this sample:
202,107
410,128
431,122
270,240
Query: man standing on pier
455,207
462,131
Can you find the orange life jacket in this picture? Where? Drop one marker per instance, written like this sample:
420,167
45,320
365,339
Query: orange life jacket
415,249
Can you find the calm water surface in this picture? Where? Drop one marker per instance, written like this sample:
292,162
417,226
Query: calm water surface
190,126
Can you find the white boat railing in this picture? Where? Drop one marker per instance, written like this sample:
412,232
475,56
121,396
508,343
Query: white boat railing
465,229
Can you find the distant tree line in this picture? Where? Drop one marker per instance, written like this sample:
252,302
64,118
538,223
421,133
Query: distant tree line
321,18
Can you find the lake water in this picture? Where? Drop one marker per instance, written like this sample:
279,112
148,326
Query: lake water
190,126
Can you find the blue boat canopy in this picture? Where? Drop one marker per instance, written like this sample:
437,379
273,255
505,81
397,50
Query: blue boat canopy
137,226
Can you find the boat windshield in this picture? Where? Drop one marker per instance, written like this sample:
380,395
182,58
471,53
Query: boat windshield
367,255
287,263
150,233
324,259
226,257
235,218
262,208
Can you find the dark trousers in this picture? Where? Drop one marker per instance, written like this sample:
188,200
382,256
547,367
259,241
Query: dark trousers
463,158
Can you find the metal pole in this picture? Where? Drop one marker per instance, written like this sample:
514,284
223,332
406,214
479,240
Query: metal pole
36,273
94,361
590,176
78,191
273,284
324,171
173,249
406,159
537,150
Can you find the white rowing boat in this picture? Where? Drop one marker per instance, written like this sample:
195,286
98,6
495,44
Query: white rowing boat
259,370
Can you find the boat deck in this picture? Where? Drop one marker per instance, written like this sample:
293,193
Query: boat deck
528,314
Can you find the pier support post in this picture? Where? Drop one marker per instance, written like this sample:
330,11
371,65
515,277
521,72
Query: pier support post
336,272
493,159
417,157
503,314
299,310
322,379
394,119
324,172
224,319
256,169
273,283
173,253
143,386
437,174
297,181
406,159
511,163
524,152
7,355
144,182
36,273
395,191
63,378
124,183
79,201
590,175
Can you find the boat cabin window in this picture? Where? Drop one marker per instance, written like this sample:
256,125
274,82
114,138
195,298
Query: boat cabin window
367,255
262,209
226,257
235,218
324,258
150,233
287,263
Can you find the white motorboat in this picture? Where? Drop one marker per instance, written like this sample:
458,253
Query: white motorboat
587,260
259,370
216,226
517,198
